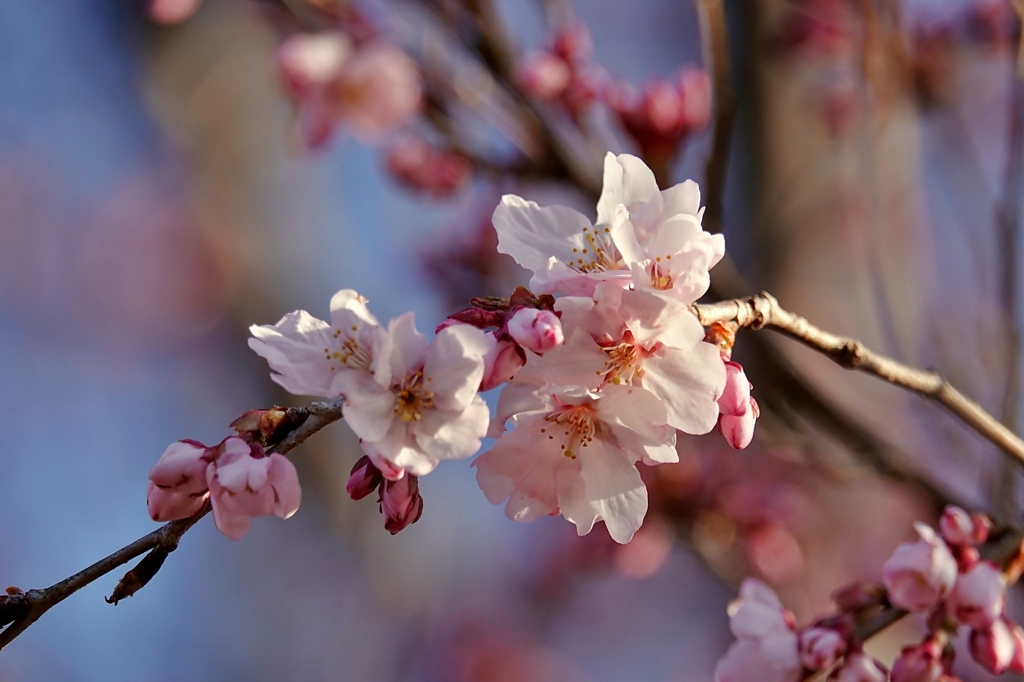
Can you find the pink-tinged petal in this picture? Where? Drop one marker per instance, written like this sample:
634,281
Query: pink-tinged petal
182,467
408,349
672,237
518,397
519,470
738,431
532,234
624,235
308,61
501,363
452,435
634,409
683,198
627,181
861,668
378,90
295,350
689,383
284,480
774,659
757,612
369,407
170,504
607,487
577,363
537,330
978,598
398,448
919,574
454,366
229,521
735,399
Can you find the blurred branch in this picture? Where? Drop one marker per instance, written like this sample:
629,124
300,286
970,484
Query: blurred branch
19,610
763,311
715,37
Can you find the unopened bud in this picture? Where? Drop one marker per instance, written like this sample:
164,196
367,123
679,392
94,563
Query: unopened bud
364,479
543,76
978,598
994,647
820,647
502,361
920,663
308,61
956,526
401,503
536,330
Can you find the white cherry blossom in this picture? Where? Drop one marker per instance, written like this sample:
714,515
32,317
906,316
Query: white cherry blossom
420,405
575,453
307,354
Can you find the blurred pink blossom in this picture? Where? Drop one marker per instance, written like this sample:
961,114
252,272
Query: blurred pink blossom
766,649
171,12
919,574
422,167
821,647
919,663
861,668
978,598
994,647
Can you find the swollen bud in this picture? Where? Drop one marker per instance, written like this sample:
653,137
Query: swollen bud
536,330
401,503
364,479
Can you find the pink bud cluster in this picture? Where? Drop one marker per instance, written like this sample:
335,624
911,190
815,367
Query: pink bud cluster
563,73
237,477
940,575
370,88
399,501
667,111
420,166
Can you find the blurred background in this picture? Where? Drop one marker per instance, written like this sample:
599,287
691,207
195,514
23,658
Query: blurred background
165,182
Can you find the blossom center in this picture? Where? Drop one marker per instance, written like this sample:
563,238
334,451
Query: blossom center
412,398
599,255
661,276
578,426
625,360
348,353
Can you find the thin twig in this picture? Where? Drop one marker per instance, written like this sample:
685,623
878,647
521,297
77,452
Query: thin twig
29,606
763,311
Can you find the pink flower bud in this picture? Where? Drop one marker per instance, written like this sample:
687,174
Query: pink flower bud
994,647
735,398
536,330
820,647
921,663
978,598
921,573
245,483
1017,662
739,430
401,503
543,76
308,61
422,167
502,361
364,479
177,487
861,668
956,526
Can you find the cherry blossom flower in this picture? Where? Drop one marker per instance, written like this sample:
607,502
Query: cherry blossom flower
420,404
371,89
177,482
307,354
642,237
635,338
245,483
978,598
766,649
574,453
919,574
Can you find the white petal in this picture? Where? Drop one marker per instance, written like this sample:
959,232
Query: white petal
627,181
608,487
635,409
399,448
455,366
296,349
682,198
689,383
369,407
408,348
532,234
452,435
521,467
519,396
348,307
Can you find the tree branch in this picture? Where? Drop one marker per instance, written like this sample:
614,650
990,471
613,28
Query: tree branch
21,609
763,311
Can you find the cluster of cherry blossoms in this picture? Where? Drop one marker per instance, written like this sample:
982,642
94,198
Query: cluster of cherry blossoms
940,574
599,369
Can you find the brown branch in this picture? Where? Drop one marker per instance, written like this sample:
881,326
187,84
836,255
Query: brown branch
21,609
763,311
716,43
